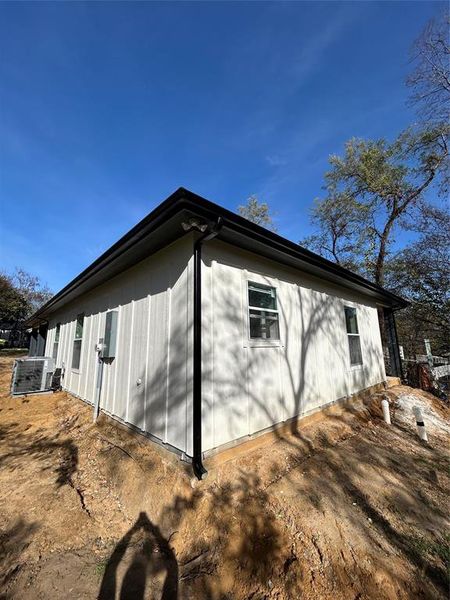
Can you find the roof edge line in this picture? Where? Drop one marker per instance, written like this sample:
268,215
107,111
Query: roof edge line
184,198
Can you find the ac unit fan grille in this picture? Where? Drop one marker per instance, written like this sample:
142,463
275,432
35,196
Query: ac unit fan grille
31,376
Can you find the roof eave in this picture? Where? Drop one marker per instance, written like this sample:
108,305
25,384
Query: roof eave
183,199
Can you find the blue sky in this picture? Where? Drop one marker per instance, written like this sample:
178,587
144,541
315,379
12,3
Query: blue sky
106,108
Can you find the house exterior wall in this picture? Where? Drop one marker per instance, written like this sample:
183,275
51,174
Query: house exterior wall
154,345
248,385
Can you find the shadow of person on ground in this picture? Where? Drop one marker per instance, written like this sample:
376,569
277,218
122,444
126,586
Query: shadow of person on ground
13,541
143,552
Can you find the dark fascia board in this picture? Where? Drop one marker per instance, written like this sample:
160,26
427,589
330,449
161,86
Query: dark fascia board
242,232
278,246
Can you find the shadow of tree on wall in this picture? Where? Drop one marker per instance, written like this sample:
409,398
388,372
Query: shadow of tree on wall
241,529
242,538
308,379
234,535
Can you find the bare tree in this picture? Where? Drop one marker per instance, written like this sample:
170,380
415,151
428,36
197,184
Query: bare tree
30,287
430,80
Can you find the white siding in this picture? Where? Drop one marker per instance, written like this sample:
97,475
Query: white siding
154,303
249,387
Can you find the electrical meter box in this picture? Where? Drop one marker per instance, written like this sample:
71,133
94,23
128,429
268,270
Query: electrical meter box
110,338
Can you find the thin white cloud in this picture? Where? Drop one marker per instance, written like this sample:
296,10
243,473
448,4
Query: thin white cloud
312,51
274,160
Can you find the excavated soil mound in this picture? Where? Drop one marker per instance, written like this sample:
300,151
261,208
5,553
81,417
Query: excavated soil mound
343,508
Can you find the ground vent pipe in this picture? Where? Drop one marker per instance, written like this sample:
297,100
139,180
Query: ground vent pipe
420,423
386,413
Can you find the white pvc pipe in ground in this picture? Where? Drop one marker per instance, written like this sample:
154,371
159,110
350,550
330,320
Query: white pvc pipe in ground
386,413
420,423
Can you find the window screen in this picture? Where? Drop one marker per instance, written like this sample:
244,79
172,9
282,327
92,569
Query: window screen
76,355
354,341
263,312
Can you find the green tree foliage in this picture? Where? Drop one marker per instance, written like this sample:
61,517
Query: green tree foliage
257,212
21,294
377,188
337,223
370,192
13,305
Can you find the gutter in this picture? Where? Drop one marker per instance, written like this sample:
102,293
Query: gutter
203,209
197,459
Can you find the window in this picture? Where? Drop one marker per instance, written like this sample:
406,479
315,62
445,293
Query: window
354,342
76,356
263,312
56,342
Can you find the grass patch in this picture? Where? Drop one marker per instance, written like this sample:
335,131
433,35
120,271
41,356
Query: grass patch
439,548
100,567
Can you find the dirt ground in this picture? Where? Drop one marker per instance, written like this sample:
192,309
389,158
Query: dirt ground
344,508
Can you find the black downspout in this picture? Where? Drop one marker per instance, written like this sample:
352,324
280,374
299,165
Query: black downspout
394,352
397,347
197,462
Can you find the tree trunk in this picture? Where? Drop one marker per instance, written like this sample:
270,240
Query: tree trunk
334,251
379,267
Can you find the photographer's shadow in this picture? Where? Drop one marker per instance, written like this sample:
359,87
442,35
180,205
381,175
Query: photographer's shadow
143,553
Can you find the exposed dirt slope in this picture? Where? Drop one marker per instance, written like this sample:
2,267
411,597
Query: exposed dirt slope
345,508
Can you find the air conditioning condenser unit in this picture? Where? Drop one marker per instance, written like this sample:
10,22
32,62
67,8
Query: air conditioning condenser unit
32,374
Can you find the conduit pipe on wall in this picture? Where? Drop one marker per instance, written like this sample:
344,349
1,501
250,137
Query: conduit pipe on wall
197,460
98,384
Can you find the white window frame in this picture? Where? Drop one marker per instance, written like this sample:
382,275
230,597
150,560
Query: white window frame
360,365
77,339
56,342
253,279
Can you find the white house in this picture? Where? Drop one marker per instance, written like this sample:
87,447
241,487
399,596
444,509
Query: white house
213,329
